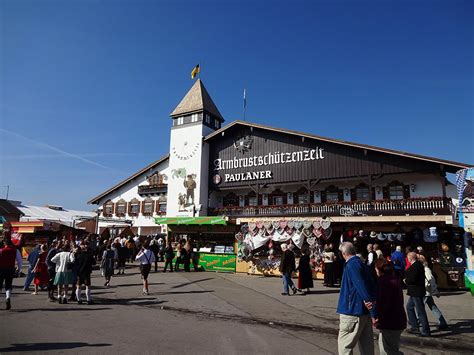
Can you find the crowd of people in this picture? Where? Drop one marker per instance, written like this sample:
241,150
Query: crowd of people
64,266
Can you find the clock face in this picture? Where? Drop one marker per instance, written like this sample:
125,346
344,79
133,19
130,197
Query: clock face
185,149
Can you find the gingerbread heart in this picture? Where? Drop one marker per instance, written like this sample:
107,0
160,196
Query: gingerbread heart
291,224
316,224
268,225
307,224
252,226
283,224
298,224
325,223
276,224
259,224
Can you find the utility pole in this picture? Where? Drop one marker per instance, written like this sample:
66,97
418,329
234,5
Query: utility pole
8,191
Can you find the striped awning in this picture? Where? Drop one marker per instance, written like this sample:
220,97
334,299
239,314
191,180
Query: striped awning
214,220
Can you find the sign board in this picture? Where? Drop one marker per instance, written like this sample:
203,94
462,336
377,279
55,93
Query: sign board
217,262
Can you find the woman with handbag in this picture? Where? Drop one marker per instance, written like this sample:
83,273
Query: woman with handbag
64,262
146,258
41,269
108,262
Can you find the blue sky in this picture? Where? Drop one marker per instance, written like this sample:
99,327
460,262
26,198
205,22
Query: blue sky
86,87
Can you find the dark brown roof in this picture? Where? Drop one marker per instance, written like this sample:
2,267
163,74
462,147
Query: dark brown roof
451,165
7,208
196,100
153,165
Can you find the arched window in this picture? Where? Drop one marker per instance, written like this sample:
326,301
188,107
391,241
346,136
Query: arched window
230,200
396,191
108,210
147,206
333,194
301,196
362,192
134,207
278,198
121,208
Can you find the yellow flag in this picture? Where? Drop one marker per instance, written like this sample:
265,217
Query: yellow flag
195,71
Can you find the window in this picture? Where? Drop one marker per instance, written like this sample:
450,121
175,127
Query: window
332,196
180,120
303,199
148,206
108,208
121,208
277,200
362,193
217,124
208,119
253,201
194,117
134,207
395,192
162,207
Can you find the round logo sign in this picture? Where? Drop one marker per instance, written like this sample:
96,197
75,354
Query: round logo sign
217,179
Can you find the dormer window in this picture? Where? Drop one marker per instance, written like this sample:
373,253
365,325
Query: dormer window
217,124
208,119
194,117
180,120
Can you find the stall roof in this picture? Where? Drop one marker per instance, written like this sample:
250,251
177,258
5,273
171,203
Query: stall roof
53,213
215,220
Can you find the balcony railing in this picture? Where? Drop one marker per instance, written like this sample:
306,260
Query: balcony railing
152,189
417,206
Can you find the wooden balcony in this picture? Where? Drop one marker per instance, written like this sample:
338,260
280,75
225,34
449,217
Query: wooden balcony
152,189
428,206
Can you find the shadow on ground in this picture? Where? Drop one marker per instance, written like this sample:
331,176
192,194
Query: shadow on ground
48,346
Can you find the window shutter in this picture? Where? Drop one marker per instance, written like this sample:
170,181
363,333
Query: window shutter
353,195
246,200
259,200
285,199
311,197
406,192
386,195
372,193
323,196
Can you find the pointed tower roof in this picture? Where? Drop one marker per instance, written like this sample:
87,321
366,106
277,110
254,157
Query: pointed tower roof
197,99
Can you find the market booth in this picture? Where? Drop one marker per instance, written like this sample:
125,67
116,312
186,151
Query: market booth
213,240
259,241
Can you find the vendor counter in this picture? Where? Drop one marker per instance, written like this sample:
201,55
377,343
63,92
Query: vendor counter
262,266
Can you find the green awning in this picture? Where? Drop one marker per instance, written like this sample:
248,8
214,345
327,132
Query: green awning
215,220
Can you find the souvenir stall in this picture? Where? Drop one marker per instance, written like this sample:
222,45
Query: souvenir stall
442,244
259,241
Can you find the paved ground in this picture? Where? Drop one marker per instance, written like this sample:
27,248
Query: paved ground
202,313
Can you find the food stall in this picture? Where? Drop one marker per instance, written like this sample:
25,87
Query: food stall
212,239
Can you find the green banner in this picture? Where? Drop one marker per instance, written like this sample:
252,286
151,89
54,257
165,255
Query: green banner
217,262
214,220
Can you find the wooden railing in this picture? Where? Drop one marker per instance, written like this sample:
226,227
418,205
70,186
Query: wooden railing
416,206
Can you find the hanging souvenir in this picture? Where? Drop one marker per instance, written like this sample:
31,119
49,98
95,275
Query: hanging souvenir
307,224
327,233
283,224
252,226
311,241
244,228
289,230
268,225
306,232
325,223
291,224
276,224
259,224
318,232
239,237
298,224
316,224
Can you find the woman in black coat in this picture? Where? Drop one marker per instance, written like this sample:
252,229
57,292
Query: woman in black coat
305,273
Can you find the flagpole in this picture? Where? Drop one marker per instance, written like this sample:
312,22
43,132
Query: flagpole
245,102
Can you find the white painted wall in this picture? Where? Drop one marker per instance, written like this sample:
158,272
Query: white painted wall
129,191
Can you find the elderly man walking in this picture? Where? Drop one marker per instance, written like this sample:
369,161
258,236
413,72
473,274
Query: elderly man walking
356,305
415,281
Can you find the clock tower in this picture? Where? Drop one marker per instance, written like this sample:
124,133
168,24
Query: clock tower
195,117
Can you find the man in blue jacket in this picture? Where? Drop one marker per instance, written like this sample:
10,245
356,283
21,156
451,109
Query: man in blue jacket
356,305
398,261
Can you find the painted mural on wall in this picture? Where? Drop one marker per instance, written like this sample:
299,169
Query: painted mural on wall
186,198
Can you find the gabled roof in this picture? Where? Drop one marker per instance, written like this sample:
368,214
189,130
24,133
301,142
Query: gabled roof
153,165
6,207
451,165
196,100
